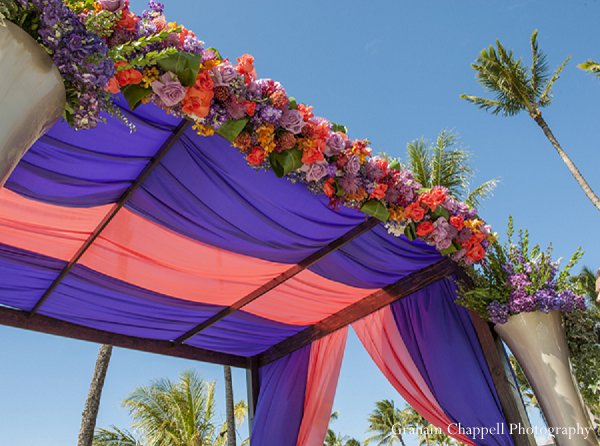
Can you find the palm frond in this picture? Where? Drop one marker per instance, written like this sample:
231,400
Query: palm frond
115,437
484,190
591,66
539,66
546,96
419,161
495,107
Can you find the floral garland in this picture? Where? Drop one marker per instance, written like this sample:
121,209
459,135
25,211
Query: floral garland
164,63
514,279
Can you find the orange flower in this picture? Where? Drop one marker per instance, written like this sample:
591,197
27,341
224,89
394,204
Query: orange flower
415,212
397,213
113,86
433,198
160,23
256,156
424,228
379,191
457,221
204,82
197,102
476,252
312,155
128,20
246,68
305,111
329,187
129,77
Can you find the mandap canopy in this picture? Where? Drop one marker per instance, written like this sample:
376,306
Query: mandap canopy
165,241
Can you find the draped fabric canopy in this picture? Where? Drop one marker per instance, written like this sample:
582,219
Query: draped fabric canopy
90,236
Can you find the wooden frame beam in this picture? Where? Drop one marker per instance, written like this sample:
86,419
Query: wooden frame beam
281,278
160,154
370,304
45,324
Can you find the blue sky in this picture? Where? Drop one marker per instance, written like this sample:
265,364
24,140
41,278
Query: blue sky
391,71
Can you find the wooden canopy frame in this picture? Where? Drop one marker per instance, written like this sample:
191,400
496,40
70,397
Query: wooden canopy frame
492,348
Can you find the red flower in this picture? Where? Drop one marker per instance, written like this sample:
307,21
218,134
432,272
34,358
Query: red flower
197,102
128,21
424,228
476,252
128,77
250,108
256,156
305,111
414,211
313,155
203,81
433,198
245,67
379,191
113,86
329,187
458,222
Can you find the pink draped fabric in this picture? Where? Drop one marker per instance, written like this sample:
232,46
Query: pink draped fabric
323,372
380,337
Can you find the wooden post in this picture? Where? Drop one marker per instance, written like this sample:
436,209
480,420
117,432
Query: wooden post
253,388
508,393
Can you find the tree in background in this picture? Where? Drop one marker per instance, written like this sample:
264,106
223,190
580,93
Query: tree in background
333,439
517,88
229,406
386,424
170,413
92,403
445,163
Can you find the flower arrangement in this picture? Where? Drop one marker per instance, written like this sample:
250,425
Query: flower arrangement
514,279
155,61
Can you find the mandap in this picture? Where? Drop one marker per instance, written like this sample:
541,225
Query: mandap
165,240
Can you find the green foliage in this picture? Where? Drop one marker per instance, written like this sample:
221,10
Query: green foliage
591,67
232,128
515,86
102,23
446,163
126,52
285,162
184,65
376,209
167,413
134,94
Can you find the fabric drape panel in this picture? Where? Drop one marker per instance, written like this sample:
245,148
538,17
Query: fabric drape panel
280,406
443,344
326,357
379,334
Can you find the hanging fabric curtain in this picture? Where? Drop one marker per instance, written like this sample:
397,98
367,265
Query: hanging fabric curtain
296,394
427,348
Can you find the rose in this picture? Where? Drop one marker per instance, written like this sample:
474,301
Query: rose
197,102
292,121
223,74
312,155
128,77
113,86
129,20
113,5
169,89
415,212
245,67
316,171
457,221
424,228
433,198
379,191
335,144
353,165
204,82
476,252
256,156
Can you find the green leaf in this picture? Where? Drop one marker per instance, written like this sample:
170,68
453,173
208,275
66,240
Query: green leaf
449,250
339,128
216,51
184,65
293,105
377,209
134,95
440,212
232,128
286,161
395,164
410,231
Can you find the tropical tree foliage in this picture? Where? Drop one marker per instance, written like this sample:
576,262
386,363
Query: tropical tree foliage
591,66
386,424
446,163
168,413
517,87
336,439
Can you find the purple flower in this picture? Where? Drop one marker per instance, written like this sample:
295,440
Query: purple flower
292,121
335,144
269,114
316,171
112,5
498,312
373,169
223,74
353,165
169,89
443,233
520,302
519,280
349,183
236,107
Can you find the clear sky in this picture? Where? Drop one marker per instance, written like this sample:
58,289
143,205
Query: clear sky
391,71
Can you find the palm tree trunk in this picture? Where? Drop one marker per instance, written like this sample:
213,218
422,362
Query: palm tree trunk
92,404
229,406
569,163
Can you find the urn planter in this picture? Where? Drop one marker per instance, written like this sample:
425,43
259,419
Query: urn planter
32,95
539,343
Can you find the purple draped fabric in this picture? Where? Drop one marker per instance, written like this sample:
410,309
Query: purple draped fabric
281,400
442,341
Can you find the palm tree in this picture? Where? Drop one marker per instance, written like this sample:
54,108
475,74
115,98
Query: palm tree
229,406
170,413
520,88
446,163
426,433
92,403
333,439
590,66
386,423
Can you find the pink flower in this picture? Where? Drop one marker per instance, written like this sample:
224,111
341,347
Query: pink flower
113,5
169,89
316,171
292,121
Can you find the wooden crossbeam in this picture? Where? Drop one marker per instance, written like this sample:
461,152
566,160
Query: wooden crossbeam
160,154
45,324
281,278
370,304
